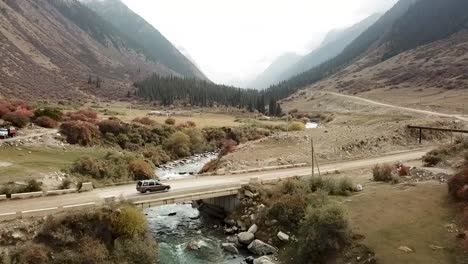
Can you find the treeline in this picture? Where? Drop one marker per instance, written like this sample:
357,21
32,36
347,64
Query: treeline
172,90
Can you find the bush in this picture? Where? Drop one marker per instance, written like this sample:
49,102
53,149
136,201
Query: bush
229,146
191,124
170,121
458,185
157,155
341,186
17,119
110,126
53,113
178,144
296,126
403,170
288,210
79,132
81,115
141,170
197,140
145,121
128,222
433,158
6,107
384,173
136,251
323,233
31,253
66,183
33,186
46,122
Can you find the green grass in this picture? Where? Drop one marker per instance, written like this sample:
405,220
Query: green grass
30,162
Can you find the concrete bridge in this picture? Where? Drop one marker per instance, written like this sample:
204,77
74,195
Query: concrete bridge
210,189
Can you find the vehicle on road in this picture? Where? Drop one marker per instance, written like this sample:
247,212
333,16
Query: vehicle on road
148,186
7,132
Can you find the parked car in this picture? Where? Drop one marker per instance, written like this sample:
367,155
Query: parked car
148,186
3,133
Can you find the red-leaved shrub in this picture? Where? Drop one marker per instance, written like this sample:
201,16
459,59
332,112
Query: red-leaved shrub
229,146
17,119
5,107
45,121
80,132
145,121
403,170
81,115
110,126
458,185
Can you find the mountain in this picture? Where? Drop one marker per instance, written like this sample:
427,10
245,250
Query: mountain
277,67
59,49
288,65
154,44
333,44
418,44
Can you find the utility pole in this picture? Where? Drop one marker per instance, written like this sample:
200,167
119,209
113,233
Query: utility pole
312,152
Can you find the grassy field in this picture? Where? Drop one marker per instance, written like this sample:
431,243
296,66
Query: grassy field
417,217
27,163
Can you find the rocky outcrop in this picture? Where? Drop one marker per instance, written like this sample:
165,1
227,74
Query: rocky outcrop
261,248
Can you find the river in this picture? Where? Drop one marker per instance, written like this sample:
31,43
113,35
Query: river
174,226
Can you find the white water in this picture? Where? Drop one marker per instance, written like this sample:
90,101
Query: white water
180,169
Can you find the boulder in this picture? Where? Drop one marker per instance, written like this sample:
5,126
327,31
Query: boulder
253,229
230,247
262,260
193,245
245,238
282,236
261,248
248,194
359,188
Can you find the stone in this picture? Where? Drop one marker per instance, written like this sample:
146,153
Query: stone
406,249
261,248
359,188
230,247
249,260
248,194
245,238
86,187
262,260
193,245
172,214
229,222
253,229
282,236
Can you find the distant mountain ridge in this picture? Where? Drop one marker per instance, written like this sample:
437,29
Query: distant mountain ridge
334,43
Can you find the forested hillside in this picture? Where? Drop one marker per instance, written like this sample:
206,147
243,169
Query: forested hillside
150,41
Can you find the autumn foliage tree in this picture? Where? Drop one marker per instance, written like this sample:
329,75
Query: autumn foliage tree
79,132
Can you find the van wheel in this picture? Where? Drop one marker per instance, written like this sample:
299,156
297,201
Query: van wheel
147,191
166,189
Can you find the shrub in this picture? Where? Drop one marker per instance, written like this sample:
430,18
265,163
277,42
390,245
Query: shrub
145,121
6,107
323,233
33,186
229,146
178,144
113,166
288,210
170,121
53,113
17,119
403,170
432,158
128,222
79,132
136,251
191,124
87,166
197,140
81,115
458,185
333,186
66,183
296,126
110,126
157,155
45,121
141,170
383,173
32,253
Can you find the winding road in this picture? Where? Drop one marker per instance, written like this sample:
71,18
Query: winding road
197,184
407,109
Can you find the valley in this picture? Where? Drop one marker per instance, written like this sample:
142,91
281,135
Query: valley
314,162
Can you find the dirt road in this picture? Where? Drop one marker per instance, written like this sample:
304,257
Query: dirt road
407,109
194,184
39,133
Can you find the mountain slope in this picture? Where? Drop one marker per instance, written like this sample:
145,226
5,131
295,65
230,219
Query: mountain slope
154,44
277,67
51,48
333,44
422,54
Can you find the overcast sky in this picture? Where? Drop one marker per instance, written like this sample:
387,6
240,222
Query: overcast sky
234,40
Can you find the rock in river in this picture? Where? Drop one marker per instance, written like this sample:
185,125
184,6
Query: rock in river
230,247
263,260
261,248
245,238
